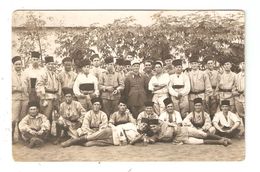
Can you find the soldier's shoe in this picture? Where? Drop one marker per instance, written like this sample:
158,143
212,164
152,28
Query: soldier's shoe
136,139
67,143
57,141
38,142
73,141
224,142
35,142
228,140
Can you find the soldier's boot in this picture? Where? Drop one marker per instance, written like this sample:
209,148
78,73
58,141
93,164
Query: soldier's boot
137,139
13,130
216,137
216,142
58,134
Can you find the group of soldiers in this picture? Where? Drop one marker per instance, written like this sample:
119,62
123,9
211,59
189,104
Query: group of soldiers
121,103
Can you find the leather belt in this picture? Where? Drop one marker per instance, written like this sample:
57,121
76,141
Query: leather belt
225,90
177,86
197,92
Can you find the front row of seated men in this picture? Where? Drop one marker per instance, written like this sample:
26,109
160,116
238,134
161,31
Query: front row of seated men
93,127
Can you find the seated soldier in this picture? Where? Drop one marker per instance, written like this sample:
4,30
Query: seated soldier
198,118
71,115
186,135
95,120
34,127
171,116
122,116
147,113
226,123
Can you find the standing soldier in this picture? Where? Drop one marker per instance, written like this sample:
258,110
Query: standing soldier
148,71
33,73
159,86
111,85
200,84
86,85
168,68
136,86
179,88
49,89
96,70
226,84
239,92
213,77
120,67
19,94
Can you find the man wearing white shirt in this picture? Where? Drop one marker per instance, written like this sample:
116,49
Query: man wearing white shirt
85,79
179,88
159,86
171,116
226,123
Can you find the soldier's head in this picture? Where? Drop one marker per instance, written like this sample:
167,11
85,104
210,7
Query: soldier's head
122,105
96,104
198,104
130,56
242,65
167,60
154,126
67,63
194,63
227,64
210,63
148,65
149,107
225,106
17,63
33,108
50,63
84,65
168,105
68,93
109,61
35,59
95,60
135,64
158,67
177,65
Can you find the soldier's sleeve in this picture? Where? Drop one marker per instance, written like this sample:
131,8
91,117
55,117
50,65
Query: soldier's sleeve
23,125
150,85
85,128
81,111
186,89
96,86
127,86
76,87
178,117
187,120
172,92
101,82
112,118
207,123
120,82
45,123
208,87
40,85
131,118
104,121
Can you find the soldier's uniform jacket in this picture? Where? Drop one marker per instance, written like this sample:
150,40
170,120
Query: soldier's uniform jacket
214,78
37,123
116,118
226,84
97,72
31,72
73,111
93,122
145,115
67,79
163,78
175,117
114,80
179,84
240,87
227,121
48,85
19,86
200,84
169,70
198,120
136,87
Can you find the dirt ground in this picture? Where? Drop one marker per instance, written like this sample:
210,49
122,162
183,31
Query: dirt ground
156,152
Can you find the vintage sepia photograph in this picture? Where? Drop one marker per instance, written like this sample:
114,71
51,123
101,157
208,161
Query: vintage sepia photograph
128,85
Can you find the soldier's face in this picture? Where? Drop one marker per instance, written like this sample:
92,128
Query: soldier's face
51,66
194,65
136,67
33,111
35,62
168,62
148,66
67,66
225,108
122,107
198,107
96,62
68,98
227,66
96,106
86,69
242,66
169,108
18,65
158,68
129,57
149,110
110,67
154,128
178,69
210,64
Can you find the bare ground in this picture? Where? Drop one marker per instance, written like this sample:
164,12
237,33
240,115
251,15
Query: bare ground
156,152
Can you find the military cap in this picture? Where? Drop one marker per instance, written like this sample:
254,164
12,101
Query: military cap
35,54
16,58
167,101
66,59
158,62
177,62
197,100
94,56
148,103
83,63
120,62
127,62
109,60
67,90
96,99
49,59
135,61
33,103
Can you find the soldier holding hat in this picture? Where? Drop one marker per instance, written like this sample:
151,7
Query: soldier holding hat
179,88
226,123
199,119
111,85
159,86
168,68
85,86
35,126
19,93
71,115
96,70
